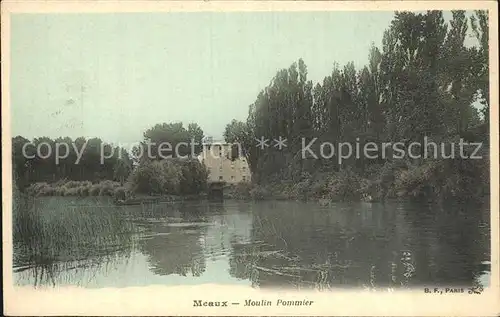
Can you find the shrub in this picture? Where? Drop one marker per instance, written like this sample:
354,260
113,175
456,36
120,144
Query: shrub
416,181
94,190
148,178
73,191
61,191
260,193
106,188
344,185
47,191
169,177
120,193
194,177
84,190
239,191
435,180
319,188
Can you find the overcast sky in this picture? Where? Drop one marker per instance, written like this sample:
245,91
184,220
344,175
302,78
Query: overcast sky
115,75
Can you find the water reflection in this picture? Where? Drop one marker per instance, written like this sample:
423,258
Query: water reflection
68,235
363,245
174,244
271,244
450,243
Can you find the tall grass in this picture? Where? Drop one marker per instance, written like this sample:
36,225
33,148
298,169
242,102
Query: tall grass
54,229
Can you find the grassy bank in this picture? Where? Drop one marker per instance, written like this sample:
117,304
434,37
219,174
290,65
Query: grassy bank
432,180
167,179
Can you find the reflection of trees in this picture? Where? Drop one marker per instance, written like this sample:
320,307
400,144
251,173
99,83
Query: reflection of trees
293,247
174,247
175,251
449,243
240,264
187,241
371,245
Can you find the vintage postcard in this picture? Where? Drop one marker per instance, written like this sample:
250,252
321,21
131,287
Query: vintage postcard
241,158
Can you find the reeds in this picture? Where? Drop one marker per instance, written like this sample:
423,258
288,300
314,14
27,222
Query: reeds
58,229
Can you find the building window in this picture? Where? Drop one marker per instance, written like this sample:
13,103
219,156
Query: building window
232,177
221,178
244,178
244,168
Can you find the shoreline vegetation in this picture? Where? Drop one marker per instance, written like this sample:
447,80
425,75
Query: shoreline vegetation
429,182
154,181
121,195
421,83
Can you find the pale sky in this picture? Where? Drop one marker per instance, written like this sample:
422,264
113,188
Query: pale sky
141,69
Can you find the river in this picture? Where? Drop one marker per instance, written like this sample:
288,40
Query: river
276,244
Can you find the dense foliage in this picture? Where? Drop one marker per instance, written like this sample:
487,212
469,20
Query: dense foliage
81,160
172,170
421,83
93,168
170,140
169,177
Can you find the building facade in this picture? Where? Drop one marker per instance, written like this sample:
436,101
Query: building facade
222,167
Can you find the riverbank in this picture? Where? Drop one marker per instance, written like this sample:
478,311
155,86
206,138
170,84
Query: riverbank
75,188
150,199
121,194
171,179
430,181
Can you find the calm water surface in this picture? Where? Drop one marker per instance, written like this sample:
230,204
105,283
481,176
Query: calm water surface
266,244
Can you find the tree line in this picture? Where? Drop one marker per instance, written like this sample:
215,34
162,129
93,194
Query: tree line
51,160
421,83
82,159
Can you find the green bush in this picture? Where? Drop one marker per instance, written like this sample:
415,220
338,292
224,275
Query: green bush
194,177
435,180
169,177
121,193
344,185
94,190
72,188
240,191
260,193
